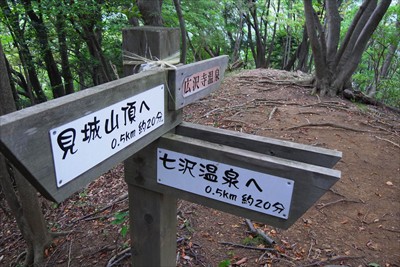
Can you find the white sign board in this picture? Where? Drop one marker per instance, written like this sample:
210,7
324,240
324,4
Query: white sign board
83,143
248,189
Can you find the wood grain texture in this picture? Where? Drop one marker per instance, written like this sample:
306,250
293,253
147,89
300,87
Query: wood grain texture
269,146
311,181
150,42
152,227
24,135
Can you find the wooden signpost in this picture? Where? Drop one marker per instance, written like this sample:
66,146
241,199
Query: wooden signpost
62,145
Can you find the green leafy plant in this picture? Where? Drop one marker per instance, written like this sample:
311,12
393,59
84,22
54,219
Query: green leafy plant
224,263
121,218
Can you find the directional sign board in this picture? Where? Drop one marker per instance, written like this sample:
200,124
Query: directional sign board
64,144
194,81
236,174
91,139
241,187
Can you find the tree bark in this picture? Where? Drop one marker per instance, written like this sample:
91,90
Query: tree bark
43,40
26,208
151,12
391,52
183,30
63,47
345,73
252,20
334,67
272,43
333,31
24,53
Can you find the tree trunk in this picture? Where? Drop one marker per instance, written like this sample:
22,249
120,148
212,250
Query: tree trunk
26,209
63,47
238,41
43,40
389,57
12,86
259,51
24,53
303,53
183,30
151,12
272,43
343,75
334,67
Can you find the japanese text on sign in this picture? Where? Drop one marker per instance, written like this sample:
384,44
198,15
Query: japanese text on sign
200,80
81,144
248,189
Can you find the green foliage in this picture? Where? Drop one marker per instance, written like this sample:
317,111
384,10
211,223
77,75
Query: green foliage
369,70
121,218
224,263
212,26
389,91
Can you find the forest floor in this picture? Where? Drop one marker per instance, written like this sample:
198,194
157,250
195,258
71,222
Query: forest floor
356,223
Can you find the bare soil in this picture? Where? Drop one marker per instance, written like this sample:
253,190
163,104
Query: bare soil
356,223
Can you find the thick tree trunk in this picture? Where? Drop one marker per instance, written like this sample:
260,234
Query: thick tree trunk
151,12
26,209
334,67
343,75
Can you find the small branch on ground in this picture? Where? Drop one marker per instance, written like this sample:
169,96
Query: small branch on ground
63,233
119,199
69,253
333,259
259,232
248,247
119,257
324,205
390,230
272,113
256,248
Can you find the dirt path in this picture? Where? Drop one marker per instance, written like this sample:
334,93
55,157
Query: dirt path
354,224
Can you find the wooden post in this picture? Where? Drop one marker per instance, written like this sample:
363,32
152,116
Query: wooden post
152,227
150,42
152,215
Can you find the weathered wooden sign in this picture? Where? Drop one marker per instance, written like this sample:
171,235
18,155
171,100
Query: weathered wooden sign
64,144
235,172
195,81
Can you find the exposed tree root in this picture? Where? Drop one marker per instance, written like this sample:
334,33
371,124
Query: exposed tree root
327,124
383,139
